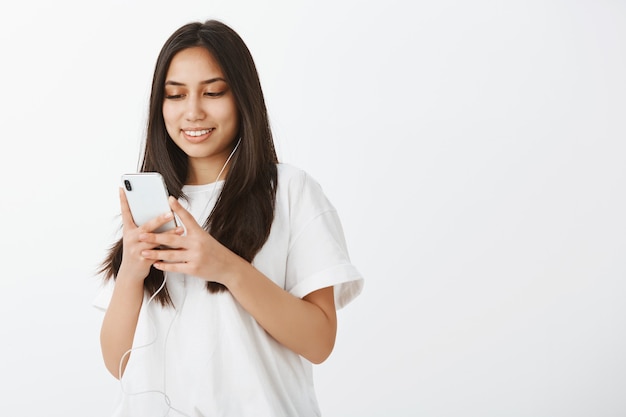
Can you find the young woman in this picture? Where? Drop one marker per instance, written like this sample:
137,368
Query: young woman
224,315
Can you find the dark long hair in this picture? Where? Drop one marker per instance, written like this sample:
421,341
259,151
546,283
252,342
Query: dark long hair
243,214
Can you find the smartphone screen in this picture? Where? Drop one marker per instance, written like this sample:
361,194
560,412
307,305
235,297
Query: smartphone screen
147,198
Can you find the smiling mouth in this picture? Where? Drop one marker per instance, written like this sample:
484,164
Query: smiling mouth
196,133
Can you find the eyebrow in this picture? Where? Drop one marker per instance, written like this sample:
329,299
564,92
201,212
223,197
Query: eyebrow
209,81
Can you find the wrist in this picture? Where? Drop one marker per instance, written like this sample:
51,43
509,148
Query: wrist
239,269
129,278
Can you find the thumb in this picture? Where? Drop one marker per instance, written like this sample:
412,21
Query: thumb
187,220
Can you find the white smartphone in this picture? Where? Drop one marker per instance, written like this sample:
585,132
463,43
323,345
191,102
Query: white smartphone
147,198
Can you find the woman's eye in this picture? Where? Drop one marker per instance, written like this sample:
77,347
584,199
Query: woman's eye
174,96
218,94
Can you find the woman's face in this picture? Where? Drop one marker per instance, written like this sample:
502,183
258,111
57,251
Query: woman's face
200,113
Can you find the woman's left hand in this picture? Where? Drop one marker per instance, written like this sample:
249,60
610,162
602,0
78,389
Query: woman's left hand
305,325
196,253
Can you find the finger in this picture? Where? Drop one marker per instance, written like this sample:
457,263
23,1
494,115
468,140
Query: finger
127,217
185,217
153,224
179,267
164,255
179,231
172,240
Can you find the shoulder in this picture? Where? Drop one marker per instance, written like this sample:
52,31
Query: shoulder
300,192
288,172
295,180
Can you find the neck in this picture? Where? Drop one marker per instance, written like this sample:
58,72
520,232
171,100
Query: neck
206,172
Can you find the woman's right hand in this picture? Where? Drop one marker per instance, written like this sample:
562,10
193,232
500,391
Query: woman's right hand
134,266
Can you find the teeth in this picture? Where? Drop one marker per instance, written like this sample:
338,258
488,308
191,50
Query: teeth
197,132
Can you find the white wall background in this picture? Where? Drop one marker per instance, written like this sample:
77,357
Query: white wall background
474,149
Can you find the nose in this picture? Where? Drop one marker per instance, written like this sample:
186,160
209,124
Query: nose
194,110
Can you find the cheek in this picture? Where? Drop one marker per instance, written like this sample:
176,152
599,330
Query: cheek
167,111
169,117
229,113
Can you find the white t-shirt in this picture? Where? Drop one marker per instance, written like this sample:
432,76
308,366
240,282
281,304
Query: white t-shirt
209,356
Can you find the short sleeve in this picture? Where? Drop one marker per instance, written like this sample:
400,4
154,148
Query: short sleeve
318,255
103,297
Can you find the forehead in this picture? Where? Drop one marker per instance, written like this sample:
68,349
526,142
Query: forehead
193,64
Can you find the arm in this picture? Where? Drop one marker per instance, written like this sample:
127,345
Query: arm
120,320
307,326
